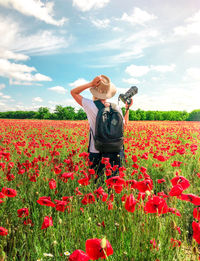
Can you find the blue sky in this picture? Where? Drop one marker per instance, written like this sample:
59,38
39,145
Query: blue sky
48,47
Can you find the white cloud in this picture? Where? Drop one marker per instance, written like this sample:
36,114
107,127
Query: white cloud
78,82
138,16
20,72
6,54
126,48
163,68
192,74
192,26
36,8
13,82
100,23
15,40
2,86
58,89
87,5
140,70
170,97
37,99
6,97
131,81
194,49
195,18
43,42
137,71
2,104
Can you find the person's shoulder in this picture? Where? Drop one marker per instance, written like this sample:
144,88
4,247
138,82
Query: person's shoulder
87,102
115,106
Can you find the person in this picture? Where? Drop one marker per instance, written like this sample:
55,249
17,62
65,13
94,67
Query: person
102,89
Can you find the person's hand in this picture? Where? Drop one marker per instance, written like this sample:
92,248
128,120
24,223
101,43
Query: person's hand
96,81
127,106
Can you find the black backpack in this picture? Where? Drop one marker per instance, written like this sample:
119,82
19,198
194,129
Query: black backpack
109,129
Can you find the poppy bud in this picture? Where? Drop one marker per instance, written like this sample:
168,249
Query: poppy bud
148,193
103,243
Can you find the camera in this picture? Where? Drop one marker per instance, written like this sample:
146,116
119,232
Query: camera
127,96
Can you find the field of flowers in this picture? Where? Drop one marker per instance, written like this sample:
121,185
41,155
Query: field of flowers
51,208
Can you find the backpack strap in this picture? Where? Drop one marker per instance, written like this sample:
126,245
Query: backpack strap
99,105
91,135
113,106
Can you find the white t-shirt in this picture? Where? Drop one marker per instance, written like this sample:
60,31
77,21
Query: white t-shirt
91,111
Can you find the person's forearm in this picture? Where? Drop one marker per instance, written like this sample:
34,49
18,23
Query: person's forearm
126,117
81,88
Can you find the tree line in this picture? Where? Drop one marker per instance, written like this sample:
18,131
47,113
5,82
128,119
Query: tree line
69,113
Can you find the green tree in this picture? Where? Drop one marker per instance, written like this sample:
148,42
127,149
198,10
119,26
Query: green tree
194,115
60,112
43,113
81,115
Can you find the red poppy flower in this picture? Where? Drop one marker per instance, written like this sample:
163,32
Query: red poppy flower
176,163
154,244
10,177
47,222
79,255
156,204
94,249
23,212
9,192
52,184
196,231
178,229
110,205
144,185
105,160
161,158
46,201
161,181
84,181
143,169
176,190
2,195
196,213
141,195
144,156
60,205
117,183
66,175
28,222
131,183
57,170
180,180
3,231
88,199
134,158
101,194
67,199
91,171
174,211
116,180
175,242
135,165
77,191
130,203
190,198
162,194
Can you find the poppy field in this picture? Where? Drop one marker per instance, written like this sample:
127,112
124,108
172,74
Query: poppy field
52,207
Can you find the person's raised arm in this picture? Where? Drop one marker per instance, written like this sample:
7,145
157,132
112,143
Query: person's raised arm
126,116
77,90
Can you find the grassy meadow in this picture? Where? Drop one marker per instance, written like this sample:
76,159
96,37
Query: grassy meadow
50,204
